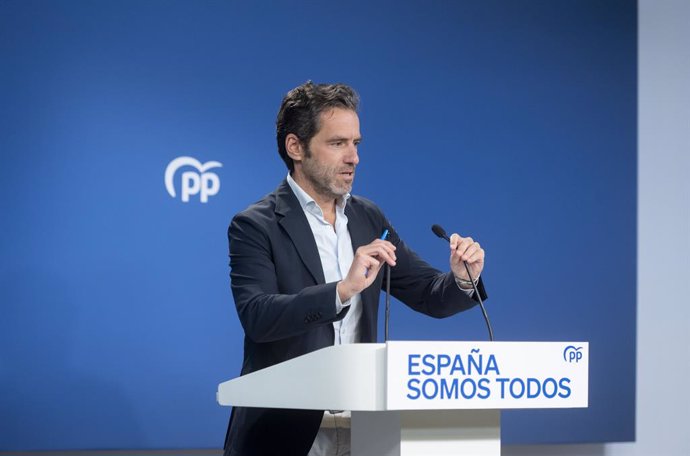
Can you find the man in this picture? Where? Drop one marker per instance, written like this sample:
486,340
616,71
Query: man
307,268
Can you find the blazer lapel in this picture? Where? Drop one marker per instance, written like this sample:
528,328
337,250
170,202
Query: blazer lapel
295,224
358,232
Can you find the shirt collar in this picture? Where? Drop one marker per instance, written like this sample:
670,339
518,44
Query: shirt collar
307,202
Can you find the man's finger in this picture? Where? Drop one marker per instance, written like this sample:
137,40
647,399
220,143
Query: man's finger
386,246
372,263
470,251
455,239
379,252
463,245
477,256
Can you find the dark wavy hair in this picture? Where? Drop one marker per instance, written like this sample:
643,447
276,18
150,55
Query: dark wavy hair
300,110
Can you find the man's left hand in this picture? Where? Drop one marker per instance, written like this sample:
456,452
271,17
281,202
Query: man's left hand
465,249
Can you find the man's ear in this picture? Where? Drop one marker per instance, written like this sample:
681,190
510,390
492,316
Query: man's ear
294,148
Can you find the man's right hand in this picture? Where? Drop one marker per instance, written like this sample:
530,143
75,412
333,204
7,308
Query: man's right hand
365,267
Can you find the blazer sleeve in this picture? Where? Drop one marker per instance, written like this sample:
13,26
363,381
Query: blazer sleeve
267,313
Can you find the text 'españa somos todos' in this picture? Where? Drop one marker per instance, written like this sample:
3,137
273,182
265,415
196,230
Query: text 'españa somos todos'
474,376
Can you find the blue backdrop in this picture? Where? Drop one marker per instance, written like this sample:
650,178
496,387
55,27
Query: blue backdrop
514,122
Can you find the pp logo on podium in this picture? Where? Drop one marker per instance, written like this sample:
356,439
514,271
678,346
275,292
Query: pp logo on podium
572,354
194,182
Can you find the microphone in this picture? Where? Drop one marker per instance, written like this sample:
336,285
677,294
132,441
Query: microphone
440,232
384,235
388,300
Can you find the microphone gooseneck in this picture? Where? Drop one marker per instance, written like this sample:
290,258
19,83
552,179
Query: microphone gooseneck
440,232
384,235
388,299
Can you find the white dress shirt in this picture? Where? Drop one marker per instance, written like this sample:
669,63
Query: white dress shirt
335,250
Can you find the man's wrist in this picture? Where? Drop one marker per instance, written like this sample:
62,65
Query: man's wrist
466,284
343,292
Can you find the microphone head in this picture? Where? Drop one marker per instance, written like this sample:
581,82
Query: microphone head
440,232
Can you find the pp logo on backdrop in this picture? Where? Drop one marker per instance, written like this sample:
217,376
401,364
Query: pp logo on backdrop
572,354
199,182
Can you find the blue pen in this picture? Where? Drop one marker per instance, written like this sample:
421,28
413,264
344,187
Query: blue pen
383,237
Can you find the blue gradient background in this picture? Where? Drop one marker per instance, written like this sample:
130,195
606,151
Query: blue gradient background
514,122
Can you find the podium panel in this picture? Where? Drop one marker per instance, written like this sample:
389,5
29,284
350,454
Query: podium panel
426,433
422,398
486,375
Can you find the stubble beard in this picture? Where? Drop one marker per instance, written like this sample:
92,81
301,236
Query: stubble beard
323,179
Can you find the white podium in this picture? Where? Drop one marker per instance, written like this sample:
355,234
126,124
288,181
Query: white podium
422,398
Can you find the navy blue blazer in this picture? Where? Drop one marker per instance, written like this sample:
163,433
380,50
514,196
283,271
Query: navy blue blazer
287,309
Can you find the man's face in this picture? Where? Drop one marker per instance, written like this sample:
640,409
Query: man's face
331,156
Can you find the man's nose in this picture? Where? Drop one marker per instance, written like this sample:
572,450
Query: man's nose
352,155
